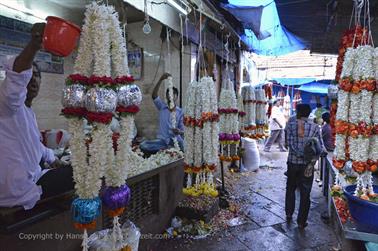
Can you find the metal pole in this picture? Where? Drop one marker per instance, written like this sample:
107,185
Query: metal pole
222,175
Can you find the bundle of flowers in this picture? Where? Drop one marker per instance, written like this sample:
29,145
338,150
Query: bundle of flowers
201,138
229,137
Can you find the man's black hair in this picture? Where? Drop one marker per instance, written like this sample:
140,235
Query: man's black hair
326,117
175,91
303,110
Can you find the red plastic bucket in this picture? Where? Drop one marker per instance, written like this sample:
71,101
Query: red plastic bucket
60,36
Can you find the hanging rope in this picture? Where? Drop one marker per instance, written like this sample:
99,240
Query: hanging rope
182,34
168,50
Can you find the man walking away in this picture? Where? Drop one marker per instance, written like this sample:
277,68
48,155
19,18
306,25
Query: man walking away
277,125
305,146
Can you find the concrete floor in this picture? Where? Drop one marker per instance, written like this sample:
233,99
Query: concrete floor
266,227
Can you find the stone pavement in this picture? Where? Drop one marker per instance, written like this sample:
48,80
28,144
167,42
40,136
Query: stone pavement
266,227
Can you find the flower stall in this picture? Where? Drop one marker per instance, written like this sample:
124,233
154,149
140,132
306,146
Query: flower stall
354,190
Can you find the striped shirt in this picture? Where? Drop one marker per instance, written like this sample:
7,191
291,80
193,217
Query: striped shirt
297,143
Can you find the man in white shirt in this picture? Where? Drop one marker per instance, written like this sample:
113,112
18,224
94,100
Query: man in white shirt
277,125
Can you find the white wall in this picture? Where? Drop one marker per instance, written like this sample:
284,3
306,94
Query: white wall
147,119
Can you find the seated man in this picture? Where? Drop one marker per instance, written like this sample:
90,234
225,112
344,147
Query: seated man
22,181
166,132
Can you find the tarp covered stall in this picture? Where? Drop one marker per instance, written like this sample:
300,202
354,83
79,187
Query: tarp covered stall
264,33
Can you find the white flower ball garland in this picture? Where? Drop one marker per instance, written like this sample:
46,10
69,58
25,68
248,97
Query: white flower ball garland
228,123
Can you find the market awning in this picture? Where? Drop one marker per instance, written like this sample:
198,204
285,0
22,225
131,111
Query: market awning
320,87
264,33
293,81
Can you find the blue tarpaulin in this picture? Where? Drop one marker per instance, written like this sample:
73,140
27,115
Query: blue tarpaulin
293,81
264,33
320,87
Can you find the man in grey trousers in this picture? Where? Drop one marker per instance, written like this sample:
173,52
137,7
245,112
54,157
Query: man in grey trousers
277,125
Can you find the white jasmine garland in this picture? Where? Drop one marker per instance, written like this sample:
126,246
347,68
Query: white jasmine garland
189,111
118,45
353,148
363,67
375,108
214,144
342,106
249,107
117,174
355,108
375,62
78,159
349,62
198,153
84,57
241,110
98,152
373,148
366,106
340,142
101,42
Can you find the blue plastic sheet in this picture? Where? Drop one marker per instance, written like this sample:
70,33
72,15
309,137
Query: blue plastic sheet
293,81
320,87
264,33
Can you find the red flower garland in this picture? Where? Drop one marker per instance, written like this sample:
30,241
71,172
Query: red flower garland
132,109
76,78
100,117
124,80
70,111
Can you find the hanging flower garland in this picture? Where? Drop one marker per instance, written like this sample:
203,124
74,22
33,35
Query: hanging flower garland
201,133
241,113
351,38
95,98
249,108
268,88
261,114
356,136
229,137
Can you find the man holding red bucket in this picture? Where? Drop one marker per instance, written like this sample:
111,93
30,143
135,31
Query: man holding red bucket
22,181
